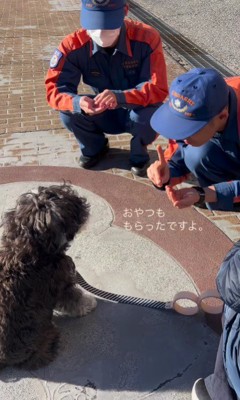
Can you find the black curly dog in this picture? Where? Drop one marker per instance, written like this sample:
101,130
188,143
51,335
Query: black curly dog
36,276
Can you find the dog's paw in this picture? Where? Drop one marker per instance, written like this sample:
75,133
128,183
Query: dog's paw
86,304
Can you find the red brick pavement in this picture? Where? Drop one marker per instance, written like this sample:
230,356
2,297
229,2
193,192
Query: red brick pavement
30,31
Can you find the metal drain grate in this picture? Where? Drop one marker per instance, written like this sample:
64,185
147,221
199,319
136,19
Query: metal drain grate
188,50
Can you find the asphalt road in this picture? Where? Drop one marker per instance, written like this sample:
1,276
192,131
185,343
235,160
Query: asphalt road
213,25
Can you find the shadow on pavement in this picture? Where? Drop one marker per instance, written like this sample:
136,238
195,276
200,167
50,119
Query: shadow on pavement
129,349
119,158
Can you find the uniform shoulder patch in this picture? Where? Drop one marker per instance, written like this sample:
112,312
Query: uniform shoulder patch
57,55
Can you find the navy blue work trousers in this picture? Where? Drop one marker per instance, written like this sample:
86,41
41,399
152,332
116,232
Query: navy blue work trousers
89,130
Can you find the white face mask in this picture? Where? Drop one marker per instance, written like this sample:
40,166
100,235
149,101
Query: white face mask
104,38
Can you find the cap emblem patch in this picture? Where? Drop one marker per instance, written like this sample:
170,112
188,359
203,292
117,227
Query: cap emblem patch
176,104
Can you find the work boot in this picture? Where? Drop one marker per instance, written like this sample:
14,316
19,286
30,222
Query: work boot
140,169
89,162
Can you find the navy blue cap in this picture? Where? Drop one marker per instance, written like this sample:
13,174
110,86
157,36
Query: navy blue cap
195,98
102,14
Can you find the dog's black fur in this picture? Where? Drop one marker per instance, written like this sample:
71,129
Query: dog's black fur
36,276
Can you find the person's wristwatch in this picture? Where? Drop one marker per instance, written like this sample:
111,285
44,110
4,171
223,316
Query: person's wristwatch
201,193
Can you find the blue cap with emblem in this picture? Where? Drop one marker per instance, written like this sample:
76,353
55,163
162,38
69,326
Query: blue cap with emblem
102,14
195,98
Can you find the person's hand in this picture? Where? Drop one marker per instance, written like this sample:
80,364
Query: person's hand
159,172
106,99
87,104
182,198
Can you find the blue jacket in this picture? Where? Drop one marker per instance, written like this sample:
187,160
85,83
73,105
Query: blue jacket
228,283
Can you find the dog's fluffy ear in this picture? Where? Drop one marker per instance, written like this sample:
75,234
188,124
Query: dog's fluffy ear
52,217
30,221
66,207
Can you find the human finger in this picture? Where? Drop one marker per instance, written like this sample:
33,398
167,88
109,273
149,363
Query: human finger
160,153
98,98
99,110
101,96
107,100
112,102
154,173
112,106
150,173
86,103
185,199
170,192
181,204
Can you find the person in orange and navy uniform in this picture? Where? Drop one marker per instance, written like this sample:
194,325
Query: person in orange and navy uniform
123,62
202,121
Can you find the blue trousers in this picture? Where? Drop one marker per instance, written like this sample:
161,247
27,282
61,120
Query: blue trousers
89,130
210,163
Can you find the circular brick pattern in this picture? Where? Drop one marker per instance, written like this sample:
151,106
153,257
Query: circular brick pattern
197,245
